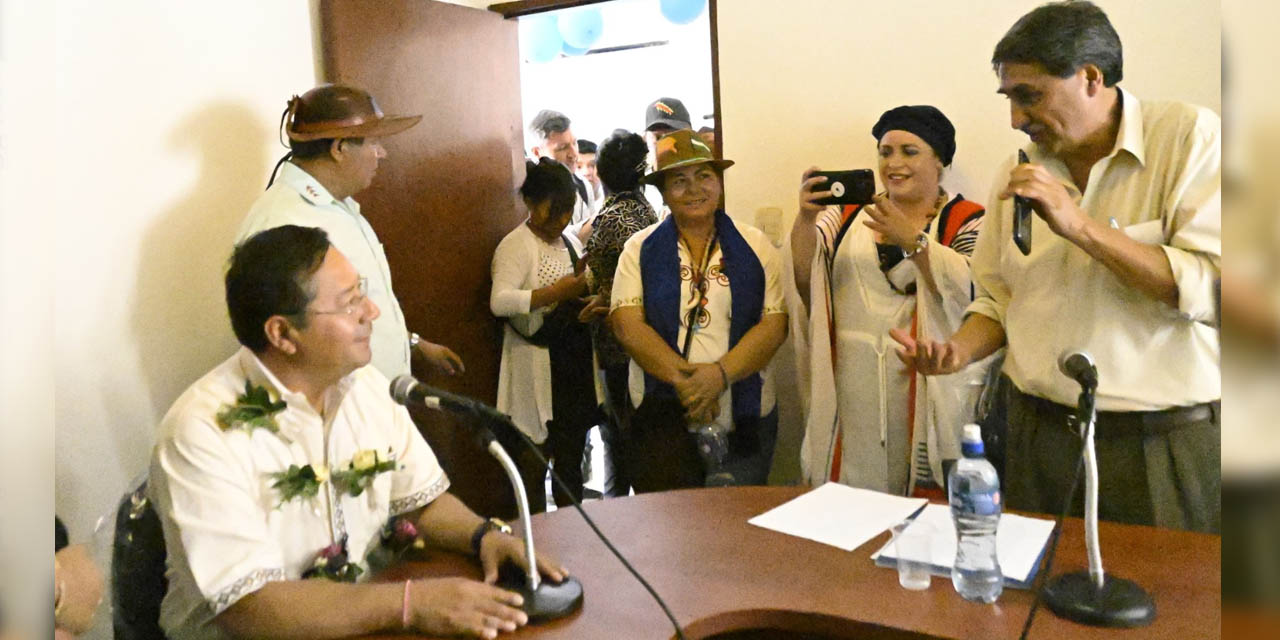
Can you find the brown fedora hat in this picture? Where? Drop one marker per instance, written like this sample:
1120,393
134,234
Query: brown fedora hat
681,149
337,111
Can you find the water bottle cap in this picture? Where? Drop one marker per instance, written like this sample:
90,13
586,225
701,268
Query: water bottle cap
972,433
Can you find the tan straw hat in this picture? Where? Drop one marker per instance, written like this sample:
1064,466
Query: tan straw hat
336,111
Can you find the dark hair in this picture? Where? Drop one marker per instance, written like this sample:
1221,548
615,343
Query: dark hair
270,275
548,122
586,146
547,179
1062,37
621,162
307,149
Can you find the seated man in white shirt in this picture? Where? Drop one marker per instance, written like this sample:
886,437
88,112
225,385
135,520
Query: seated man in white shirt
288,459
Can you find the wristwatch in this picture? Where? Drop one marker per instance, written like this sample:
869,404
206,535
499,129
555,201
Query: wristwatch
492,524
922,243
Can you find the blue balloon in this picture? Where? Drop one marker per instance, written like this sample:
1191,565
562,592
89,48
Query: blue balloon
572,51
682,11
540,38
581,28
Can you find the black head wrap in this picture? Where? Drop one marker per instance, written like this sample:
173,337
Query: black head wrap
924,121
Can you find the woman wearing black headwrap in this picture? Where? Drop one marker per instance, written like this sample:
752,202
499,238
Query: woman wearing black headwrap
900,263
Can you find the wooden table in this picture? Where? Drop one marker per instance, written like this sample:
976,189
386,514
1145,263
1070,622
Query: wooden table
726,579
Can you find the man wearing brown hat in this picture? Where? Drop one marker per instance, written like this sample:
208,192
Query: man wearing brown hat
334,134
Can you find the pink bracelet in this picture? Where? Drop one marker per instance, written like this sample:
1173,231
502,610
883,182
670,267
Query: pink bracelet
404,607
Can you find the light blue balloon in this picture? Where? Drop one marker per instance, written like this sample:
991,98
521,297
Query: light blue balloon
572,51
540,38
682,11
581,28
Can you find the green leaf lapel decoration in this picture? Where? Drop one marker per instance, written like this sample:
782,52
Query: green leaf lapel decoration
360,472
298,481
304,481
252,410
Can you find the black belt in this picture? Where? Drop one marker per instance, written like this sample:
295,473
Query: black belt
1116,424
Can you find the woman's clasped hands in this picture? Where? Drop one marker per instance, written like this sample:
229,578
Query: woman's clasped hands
699,389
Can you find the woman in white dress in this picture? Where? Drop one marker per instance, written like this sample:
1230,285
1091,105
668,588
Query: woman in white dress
859,272
545,382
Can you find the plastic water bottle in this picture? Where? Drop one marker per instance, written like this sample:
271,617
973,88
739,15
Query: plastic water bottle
975,509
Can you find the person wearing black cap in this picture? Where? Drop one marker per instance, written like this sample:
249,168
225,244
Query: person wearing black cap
661,117
334,136
900,263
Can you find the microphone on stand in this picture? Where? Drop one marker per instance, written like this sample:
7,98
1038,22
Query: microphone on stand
542,600
1093,597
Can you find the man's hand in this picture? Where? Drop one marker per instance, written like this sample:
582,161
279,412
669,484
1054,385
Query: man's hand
452,606
809,185
892,223
699,391
597,307
928,357
1049,198
441,358
497,547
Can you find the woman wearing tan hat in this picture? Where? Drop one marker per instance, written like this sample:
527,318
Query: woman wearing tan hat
900,263
697,303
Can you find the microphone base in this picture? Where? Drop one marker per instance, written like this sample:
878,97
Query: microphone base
550,600
1119,603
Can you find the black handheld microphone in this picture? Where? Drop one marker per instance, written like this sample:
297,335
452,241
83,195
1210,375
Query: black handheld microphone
1022,216
1079,366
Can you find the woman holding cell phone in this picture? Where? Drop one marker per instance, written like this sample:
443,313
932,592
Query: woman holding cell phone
899,263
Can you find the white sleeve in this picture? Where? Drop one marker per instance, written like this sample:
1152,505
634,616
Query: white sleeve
222,521
771,262
419,478
512,263
628,288
1194,222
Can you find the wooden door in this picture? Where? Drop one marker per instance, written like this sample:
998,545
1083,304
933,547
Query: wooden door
445,195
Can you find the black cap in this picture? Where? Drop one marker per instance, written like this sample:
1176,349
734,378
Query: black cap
924,121
668,112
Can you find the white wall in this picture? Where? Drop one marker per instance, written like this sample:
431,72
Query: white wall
26,315
167,114
804,86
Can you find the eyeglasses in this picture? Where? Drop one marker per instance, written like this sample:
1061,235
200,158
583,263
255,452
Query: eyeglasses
351,308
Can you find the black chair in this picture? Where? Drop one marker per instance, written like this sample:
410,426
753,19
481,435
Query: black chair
138,583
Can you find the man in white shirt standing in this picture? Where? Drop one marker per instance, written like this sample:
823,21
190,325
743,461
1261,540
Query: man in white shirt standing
334,134
1126,249
553,138
275,474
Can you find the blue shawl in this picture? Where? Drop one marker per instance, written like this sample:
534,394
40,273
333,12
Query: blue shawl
660,277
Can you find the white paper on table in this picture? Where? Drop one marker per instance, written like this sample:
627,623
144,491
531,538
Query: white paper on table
838,515
1019,543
